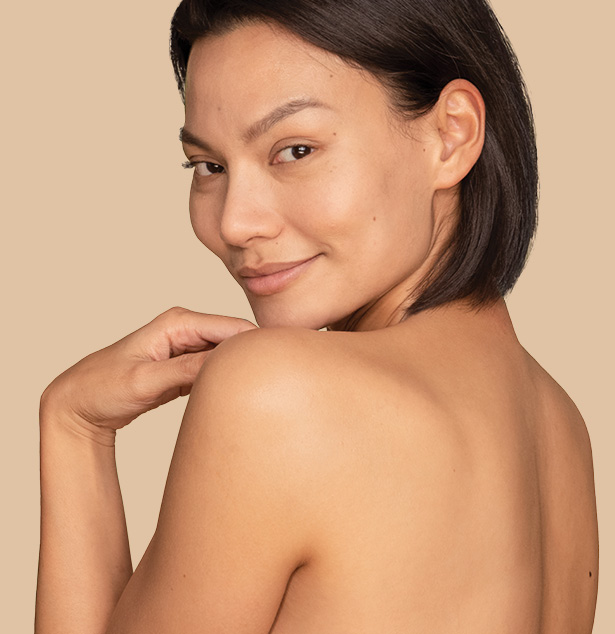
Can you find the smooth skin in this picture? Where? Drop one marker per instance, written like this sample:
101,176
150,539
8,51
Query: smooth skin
389,475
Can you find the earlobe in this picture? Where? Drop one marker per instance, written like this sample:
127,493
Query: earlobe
460,114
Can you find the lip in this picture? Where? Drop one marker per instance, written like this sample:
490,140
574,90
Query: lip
272,277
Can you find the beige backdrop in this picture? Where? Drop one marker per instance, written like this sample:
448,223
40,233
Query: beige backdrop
97,241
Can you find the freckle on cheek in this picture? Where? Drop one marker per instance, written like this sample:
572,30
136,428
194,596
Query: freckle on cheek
374,218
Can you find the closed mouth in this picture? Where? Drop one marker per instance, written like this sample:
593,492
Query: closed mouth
273,277
270,269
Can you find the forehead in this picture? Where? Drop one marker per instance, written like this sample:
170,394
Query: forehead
245,72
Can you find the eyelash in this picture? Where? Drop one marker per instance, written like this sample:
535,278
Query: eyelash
193,164
188,165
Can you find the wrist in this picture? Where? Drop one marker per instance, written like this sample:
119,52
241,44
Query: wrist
56,416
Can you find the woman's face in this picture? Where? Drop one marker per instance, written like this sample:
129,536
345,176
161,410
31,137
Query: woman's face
317,200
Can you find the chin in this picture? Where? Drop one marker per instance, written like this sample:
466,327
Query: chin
312,309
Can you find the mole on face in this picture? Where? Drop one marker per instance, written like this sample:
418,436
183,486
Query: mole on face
590,573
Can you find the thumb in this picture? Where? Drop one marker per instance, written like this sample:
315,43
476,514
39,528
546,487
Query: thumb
183,370
173,377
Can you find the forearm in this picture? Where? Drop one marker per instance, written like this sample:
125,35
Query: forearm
84,559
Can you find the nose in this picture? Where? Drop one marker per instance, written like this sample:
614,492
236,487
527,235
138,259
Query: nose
250,210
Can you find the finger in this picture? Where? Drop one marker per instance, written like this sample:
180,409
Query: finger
198,331
169,379
178,331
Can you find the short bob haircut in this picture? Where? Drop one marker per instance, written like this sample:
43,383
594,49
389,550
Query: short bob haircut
415,48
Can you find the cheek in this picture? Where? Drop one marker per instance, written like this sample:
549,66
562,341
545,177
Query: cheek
333,206
405,200
384,213
364,201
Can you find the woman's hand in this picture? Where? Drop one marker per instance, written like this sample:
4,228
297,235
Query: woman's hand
85,556
154,365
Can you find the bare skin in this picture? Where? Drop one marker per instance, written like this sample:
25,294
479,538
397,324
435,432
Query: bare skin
456,494
460,491
390,475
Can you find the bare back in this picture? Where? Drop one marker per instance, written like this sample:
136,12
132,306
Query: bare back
458,493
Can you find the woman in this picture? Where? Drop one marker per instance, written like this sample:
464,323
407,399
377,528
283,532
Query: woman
369,168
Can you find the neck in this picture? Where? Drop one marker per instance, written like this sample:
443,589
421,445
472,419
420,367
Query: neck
385,312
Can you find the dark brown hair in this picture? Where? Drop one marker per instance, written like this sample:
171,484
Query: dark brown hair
415,48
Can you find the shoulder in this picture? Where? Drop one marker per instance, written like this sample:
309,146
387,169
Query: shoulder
306,387
297,405
260,394
267,348
305,394
266,370
265,345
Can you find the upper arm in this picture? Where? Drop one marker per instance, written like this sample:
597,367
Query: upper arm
234,522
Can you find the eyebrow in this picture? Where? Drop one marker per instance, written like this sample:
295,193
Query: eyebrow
261,126
185,136
278,114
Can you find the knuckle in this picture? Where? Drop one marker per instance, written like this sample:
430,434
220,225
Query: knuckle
170,317
172,313
177,310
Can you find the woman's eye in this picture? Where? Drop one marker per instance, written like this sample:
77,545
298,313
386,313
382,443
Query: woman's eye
204,168
293,153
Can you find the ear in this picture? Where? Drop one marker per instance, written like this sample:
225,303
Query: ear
460,118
